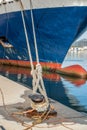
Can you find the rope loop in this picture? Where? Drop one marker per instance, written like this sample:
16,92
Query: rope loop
39,69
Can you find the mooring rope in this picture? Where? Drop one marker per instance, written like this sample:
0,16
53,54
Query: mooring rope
34,34
26,36
39,119
37,80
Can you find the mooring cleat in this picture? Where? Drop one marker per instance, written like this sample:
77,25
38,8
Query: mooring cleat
36,98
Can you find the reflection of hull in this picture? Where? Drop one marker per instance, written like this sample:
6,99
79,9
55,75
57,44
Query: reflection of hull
46,75
74,80
54,86
53,83
57,24
77,96
23,71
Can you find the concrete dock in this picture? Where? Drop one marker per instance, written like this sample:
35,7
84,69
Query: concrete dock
15,98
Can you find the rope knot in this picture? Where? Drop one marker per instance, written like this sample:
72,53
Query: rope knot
39,68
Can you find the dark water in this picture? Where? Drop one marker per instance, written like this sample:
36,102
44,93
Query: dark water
68,91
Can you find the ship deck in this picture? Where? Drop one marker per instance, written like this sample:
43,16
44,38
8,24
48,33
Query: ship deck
16,99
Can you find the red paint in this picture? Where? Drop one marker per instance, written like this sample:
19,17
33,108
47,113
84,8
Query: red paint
74,70
27,63
51,76
27,72
77,81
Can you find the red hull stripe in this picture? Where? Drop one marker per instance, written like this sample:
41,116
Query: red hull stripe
22,63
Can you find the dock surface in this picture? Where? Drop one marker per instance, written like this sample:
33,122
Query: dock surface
14,98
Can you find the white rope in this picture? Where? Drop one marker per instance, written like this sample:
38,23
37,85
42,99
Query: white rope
26,36
34,34
29,51
36,73
39,81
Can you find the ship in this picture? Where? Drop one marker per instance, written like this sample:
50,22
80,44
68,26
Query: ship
57,23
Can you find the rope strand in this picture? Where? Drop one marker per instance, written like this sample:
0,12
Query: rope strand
34,124
34,34
37,81
26,36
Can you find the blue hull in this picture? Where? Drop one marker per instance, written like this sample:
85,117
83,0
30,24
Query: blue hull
56,29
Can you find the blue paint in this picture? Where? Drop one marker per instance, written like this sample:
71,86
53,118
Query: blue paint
56,29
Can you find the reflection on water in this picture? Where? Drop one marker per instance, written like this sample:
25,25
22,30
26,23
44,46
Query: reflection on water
77,90
71,92
78,82
76,93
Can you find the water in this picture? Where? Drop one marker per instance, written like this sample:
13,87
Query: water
76,89
68,91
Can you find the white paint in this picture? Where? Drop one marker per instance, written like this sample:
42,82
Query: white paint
15,6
